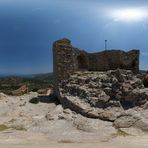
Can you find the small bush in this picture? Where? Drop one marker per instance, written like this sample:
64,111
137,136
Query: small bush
3,127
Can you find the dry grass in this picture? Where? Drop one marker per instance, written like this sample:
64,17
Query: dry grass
65,141
5,127
120,133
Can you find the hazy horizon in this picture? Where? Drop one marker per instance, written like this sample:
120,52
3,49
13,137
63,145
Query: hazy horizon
28,29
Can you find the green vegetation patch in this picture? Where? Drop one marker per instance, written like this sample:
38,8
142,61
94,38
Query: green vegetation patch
120,133
5,127
65,141
10,84
19,128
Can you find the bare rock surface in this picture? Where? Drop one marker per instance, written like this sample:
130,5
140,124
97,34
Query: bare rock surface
97,106
94,125
118,96
24,124
133,118
48,119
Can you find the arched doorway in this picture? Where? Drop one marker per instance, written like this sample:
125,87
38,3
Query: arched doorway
82,62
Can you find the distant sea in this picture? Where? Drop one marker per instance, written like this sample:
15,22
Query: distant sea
26,75
16,75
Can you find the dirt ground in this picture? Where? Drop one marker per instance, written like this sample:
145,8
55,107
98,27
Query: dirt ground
17,139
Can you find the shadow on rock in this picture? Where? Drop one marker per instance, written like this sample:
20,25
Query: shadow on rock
44,99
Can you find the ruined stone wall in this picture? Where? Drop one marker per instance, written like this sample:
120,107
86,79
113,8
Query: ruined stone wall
63,59
68,59
113,59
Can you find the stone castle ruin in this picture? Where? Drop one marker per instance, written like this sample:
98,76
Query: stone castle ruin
68,59
100,85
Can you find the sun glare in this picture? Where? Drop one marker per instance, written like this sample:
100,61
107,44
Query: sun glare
129,15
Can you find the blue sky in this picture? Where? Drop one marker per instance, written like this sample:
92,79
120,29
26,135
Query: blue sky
29,27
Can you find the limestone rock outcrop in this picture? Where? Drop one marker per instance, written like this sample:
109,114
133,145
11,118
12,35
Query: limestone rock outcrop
22,90
105,95
104,85
133,118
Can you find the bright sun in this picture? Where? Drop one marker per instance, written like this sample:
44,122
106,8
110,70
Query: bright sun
129,15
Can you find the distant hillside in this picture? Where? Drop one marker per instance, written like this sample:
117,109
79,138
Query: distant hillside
34,82
43,77
143,71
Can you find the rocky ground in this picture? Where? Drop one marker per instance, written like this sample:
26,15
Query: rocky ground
48,118
33,120
45,124
117,96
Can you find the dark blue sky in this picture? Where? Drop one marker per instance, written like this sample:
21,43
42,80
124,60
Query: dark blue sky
29,27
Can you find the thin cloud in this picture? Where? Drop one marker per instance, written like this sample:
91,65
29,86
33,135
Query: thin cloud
36,9
144,53
131,14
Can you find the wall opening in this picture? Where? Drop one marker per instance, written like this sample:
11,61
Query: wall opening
82,62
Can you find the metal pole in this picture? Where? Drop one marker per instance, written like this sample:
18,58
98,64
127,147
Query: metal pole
105,44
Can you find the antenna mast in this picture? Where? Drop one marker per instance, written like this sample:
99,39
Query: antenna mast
105,44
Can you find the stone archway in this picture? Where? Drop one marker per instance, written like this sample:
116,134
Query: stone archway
82,62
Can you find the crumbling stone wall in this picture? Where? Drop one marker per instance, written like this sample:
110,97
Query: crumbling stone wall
68,59
113,59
